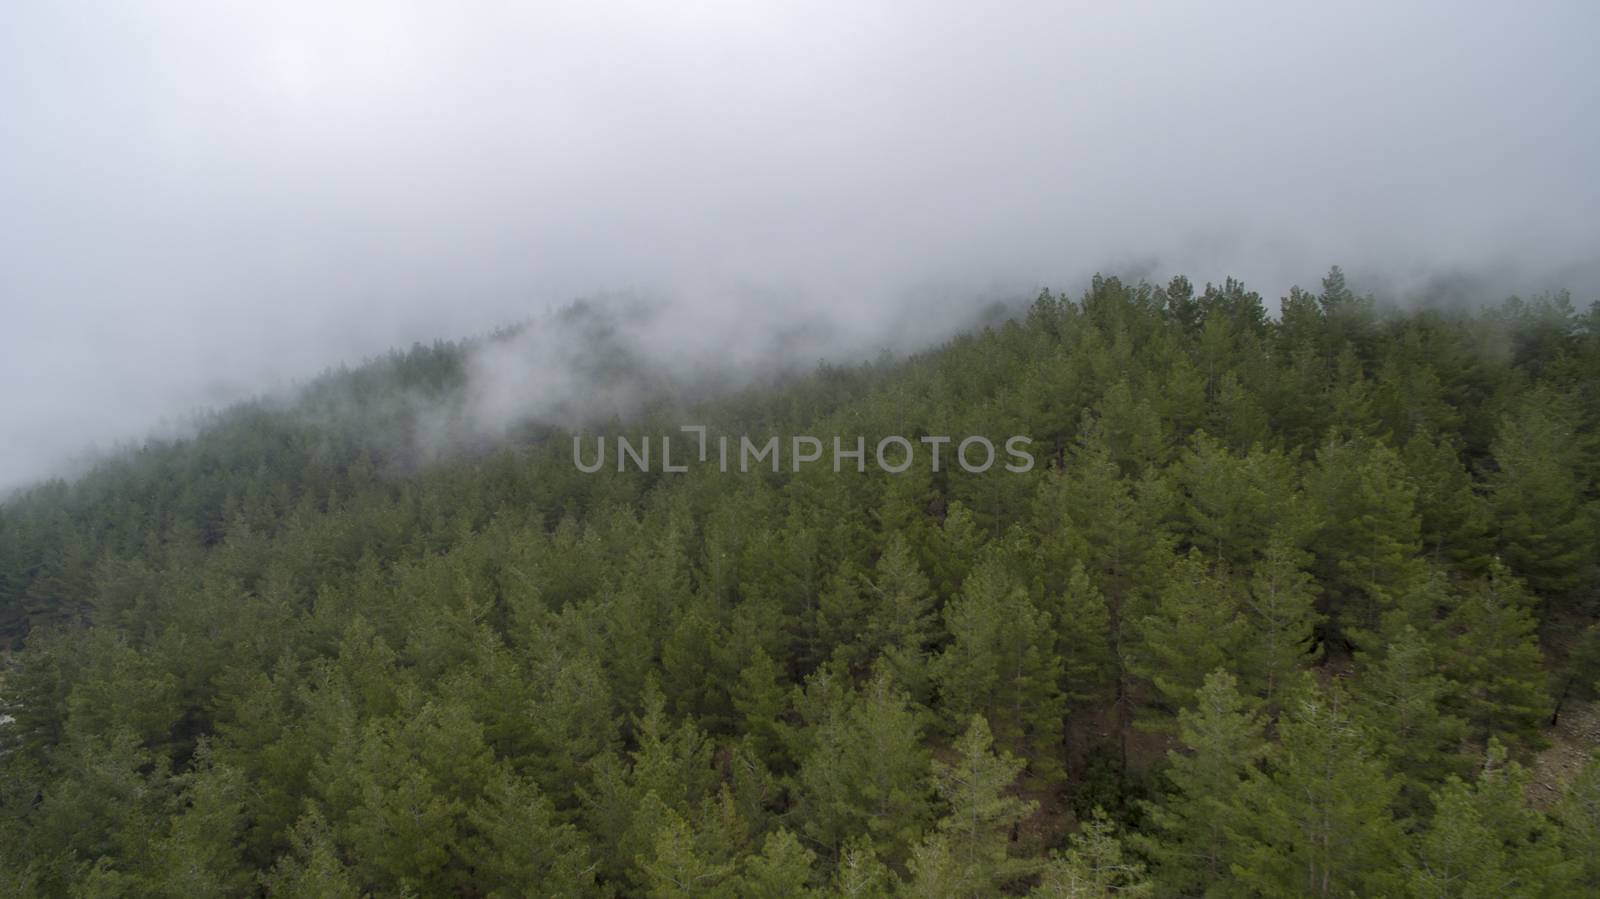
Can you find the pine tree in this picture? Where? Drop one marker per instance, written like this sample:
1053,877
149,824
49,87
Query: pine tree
1084,652
892,613
1485,842
108,805
1546,531
1403,704
1494,659
1316,821
1349,317
936,874
516,840
860,875
1082,639
1190,840
58,590
1196,628
864,773
952,550
678,867
312,867
1577,817
1410,397
1091,516
556,709
1455,520
1352,397
761,698
1095,866
411,783
695,668
201,855
969,852
1296,395
1002,664
1132,429
1238,415
1280,607
781,871
843,615
1235,505
1370,538
624,805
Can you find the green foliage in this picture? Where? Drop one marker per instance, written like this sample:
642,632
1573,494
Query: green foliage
312,866
1404,705
1281,610
1002,664
1455,519
1095,866
1197,626
782,870
514,839
864,773
331,647
1546,526
1578,818
1485,842
1235,506
1368,543
1495,659
968,853
1316,819
1192,838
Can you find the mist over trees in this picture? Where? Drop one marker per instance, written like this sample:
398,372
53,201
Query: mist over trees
1290,606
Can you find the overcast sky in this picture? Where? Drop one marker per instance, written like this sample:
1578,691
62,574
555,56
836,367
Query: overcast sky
202,200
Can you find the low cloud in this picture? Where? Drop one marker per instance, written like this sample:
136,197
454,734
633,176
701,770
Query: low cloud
207,201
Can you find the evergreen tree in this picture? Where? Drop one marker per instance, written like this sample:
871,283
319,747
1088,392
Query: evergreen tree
1002,664
516,840
1455,519
293,654
1537,494
1234,505
200,855
865,771
1197,627
1316,820
969,852
1280,606
859,874
1485,841
1369,539
1082,639
1095,866
888,612
781,871
1494,659
952,550
1404,701
312,867
1191,839
1577,816
677,867
408,787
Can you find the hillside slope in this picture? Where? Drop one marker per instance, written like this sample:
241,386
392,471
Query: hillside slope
1342,563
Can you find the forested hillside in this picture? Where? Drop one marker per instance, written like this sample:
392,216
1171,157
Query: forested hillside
1287,607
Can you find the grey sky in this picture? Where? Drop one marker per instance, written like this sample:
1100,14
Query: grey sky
200,200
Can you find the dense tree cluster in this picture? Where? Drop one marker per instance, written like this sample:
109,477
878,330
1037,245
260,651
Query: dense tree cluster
1285,609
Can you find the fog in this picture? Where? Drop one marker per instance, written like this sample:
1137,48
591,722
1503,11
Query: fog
202,201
